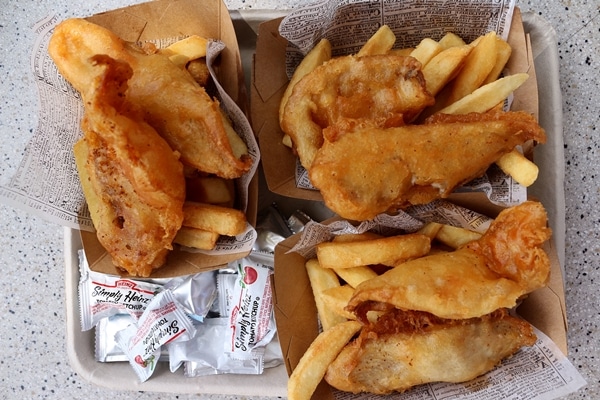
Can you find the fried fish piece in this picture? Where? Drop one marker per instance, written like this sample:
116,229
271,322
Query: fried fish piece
135,210
405,349
492,272
379,90
173,102
370,171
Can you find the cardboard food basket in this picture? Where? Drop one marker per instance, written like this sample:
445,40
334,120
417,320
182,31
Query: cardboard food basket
171,19
295,304
270,81
258,27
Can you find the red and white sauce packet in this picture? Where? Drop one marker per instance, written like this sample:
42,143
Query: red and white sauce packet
102,295
250,322
163,322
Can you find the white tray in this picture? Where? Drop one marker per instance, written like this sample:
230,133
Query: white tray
549,189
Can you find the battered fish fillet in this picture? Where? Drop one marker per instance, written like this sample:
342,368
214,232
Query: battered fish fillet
132,179
174,104
492,272
350,91
403,350
370,171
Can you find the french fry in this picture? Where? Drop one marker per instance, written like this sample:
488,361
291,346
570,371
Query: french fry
387,251
287,141
444,66
179,59
314,363
426,50
487,96
192,47
196,238
455,236
451,40
210,189
477,67
355,275
381,42
317,56
504,51
238,146
519,167
430,229
213,218
337,298
402,52
322,279
355,237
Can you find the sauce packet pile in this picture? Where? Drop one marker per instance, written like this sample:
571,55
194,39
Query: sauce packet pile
236,340
217,322
163,322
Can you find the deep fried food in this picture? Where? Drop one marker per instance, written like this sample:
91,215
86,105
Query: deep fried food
492,272
404,349
174,104
366,172
380,90
136,211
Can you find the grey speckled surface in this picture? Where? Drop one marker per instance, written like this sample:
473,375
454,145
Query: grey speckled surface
33,362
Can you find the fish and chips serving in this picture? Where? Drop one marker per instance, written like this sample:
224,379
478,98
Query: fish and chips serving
379,131
152,134
435,305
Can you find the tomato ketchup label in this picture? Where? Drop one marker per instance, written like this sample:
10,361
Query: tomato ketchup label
250,322
102,295
163,322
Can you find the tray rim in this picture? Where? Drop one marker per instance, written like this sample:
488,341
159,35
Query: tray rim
273,382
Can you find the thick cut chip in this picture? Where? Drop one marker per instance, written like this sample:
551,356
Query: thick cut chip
322,279
455,236
381,42
388,251
426,50
345,92
504,50
430,229
196,238
214,218
478,65
519,167
443,67
192,47
199,71
317,56
486,97
312,366
451,40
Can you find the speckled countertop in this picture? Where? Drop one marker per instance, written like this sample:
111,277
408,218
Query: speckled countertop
33,360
